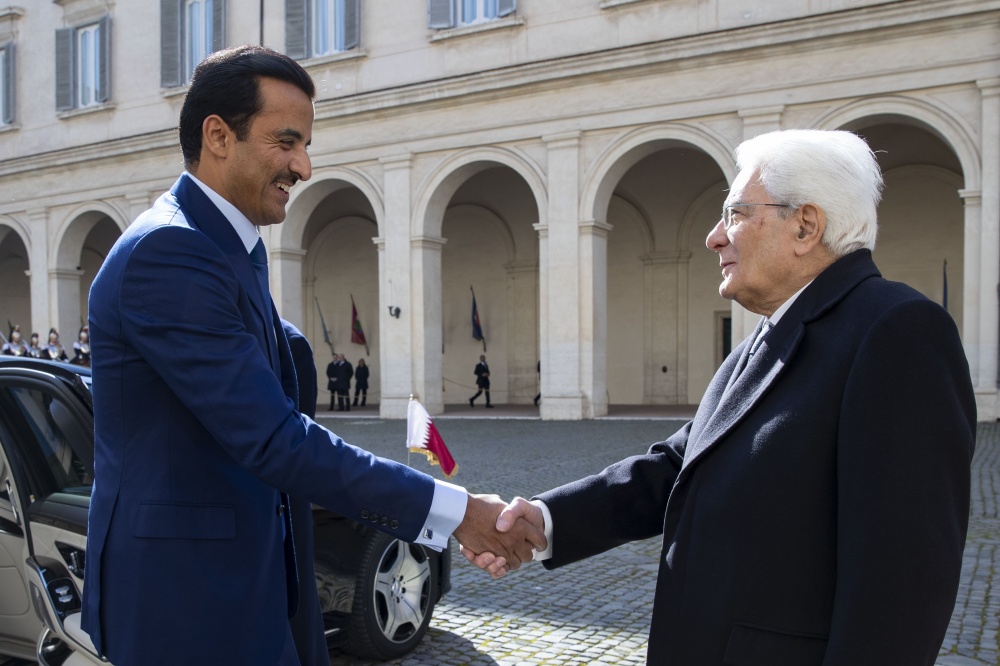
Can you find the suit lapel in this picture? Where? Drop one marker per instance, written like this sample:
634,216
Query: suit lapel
741,384
207,218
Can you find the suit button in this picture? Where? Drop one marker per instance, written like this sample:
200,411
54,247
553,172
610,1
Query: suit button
374,517
385,521
364,513
394,524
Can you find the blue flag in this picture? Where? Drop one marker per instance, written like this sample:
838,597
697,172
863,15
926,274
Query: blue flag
477,328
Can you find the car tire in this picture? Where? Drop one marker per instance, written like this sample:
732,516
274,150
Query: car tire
393,599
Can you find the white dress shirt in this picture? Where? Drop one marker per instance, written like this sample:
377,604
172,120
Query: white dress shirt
449,501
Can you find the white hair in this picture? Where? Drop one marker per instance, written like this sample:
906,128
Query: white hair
834,170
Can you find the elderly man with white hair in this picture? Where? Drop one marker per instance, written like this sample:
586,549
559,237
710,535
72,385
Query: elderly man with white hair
815,510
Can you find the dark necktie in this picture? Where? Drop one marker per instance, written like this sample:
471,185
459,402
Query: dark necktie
258,257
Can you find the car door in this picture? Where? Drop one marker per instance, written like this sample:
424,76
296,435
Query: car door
19,626
46,428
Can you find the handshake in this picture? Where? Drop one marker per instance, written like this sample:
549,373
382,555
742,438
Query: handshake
499,537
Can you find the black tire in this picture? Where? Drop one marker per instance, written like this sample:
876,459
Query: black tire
393,598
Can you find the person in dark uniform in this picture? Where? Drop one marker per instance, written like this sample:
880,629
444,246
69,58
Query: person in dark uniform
361,382
15,345
307,623
345,371
54,351
81,348
331,379
482,373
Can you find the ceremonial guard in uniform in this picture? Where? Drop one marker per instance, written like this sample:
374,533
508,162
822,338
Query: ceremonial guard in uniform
33,347
15,345
54,351
81,348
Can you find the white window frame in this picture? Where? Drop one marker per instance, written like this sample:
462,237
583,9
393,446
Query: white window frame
198,32
87,70
326,29
471,12
5,104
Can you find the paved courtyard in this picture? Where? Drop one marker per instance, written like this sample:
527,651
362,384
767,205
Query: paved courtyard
597,611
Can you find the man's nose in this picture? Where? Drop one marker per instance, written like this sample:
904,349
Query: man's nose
301,166
717,238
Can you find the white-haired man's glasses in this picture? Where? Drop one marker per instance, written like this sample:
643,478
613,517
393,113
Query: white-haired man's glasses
731,213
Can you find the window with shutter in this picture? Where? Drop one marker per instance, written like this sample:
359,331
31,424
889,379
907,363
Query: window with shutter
296,29
450,13
64,69
170,44
83,65
6,84
333,26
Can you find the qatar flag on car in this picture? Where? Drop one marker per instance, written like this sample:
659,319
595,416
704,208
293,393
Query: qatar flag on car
422,436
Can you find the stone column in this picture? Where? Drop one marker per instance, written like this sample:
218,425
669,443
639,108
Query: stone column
543,311
522,332
395,336
563,398
38,272
989,245
65,289
426,321
972,203
285,273
594,317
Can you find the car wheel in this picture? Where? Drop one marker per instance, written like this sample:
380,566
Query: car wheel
393,598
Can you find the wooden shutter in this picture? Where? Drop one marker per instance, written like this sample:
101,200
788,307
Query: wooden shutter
8,79
218,25
352,24
440,14
506,7
104,60
64,70
296,29
170,43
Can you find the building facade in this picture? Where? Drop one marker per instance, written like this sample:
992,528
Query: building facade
562,160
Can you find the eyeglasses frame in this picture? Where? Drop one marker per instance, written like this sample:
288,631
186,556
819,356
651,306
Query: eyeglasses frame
727,211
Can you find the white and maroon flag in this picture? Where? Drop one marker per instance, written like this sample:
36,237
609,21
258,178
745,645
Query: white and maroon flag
422,436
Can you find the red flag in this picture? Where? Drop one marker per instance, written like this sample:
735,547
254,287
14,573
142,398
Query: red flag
422,436
357,333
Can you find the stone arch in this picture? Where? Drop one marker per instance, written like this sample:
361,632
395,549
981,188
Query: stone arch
72,232
625,152
957,135
440,186
492,218
639,216
691,216
323,183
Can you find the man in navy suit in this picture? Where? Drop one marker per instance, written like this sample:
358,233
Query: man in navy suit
814,512
189,553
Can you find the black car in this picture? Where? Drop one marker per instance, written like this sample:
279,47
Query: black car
46,475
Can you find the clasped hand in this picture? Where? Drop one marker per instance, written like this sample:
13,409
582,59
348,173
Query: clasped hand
499,537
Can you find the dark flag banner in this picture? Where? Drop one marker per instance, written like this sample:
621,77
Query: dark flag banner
357,333
326,333
477,328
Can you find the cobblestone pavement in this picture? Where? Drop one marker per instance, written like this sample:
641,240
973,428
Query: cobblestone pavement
597,611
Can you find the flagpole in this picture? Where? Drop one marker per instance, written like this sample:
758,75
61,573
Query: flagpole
326,333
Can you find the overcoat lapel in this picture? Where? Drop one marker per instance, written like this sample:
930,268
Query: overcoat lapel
737,389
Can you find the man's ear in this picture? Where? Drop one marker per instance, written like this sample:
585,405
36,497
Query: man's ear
810,223
216,137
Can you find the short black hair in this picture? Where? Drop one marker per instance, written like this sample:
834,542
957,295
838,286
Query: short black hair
226,84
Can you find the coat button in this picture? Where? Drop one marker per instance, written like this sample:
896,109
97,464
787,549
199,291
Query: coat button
374,517
364,513
394,524
385,520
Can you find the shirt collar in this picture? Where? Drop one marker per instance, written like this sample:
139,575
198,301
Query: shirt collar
247,232
783,308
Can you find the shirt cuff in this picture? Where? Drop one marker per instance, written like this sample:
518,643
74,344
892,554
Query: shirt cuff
446,514
546,554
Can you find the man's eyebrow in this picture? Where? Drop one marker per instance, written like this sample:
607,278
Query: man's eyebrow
290,132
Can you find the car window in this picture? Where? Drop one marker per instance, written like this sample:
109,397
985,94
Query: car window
53,441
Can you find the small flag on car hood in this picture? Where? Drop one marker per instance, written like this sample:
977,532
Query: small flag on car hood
422,436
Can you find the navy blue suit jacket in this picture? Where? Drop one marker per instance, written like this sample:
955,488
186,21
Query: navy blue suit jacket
814,512
196,437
